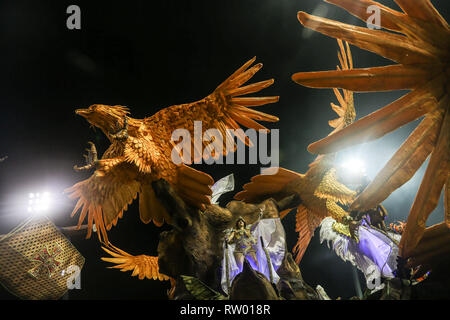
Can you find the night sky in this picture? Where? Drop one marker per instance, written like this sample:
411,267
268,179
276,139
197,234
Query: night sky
148,55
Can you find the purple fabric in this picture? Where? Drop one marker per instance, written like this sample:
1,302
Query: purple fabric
377,247
273,235
374,250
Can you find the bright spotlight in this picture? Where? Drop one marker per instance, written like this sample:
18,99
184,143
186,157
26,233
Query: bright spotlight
352,171
39,202
354,166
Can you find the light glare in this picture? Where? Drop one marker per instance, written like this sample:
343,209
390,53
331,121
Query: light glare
39,203
354,166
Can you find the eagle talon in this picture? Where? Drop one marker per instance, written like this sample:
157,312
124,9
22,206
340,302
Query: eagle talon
91,158
122,133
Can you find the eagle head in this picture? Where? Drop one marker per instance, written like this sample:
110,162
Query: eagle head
104,117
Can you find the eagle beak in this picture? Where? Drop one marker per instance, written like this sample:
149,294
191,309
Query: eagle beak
82,112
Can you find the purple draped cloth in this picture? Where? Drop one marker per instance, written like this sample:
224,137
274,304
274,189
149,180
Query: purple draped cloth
375,252
273,235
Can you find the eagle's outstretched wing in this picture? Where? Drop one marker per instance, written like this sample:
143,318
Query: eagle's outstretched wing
306,223
142,266
420,47
105,196
223,109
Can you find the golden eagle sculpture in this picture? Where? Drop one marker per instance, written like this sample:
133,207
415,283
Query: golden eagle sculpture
417,39
141,149
318,189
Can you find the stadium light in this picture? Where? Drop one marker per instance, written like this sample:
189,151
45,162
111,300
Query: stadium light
39,203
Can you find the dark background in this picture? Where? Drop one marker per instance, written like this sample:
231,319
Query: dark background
149,55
